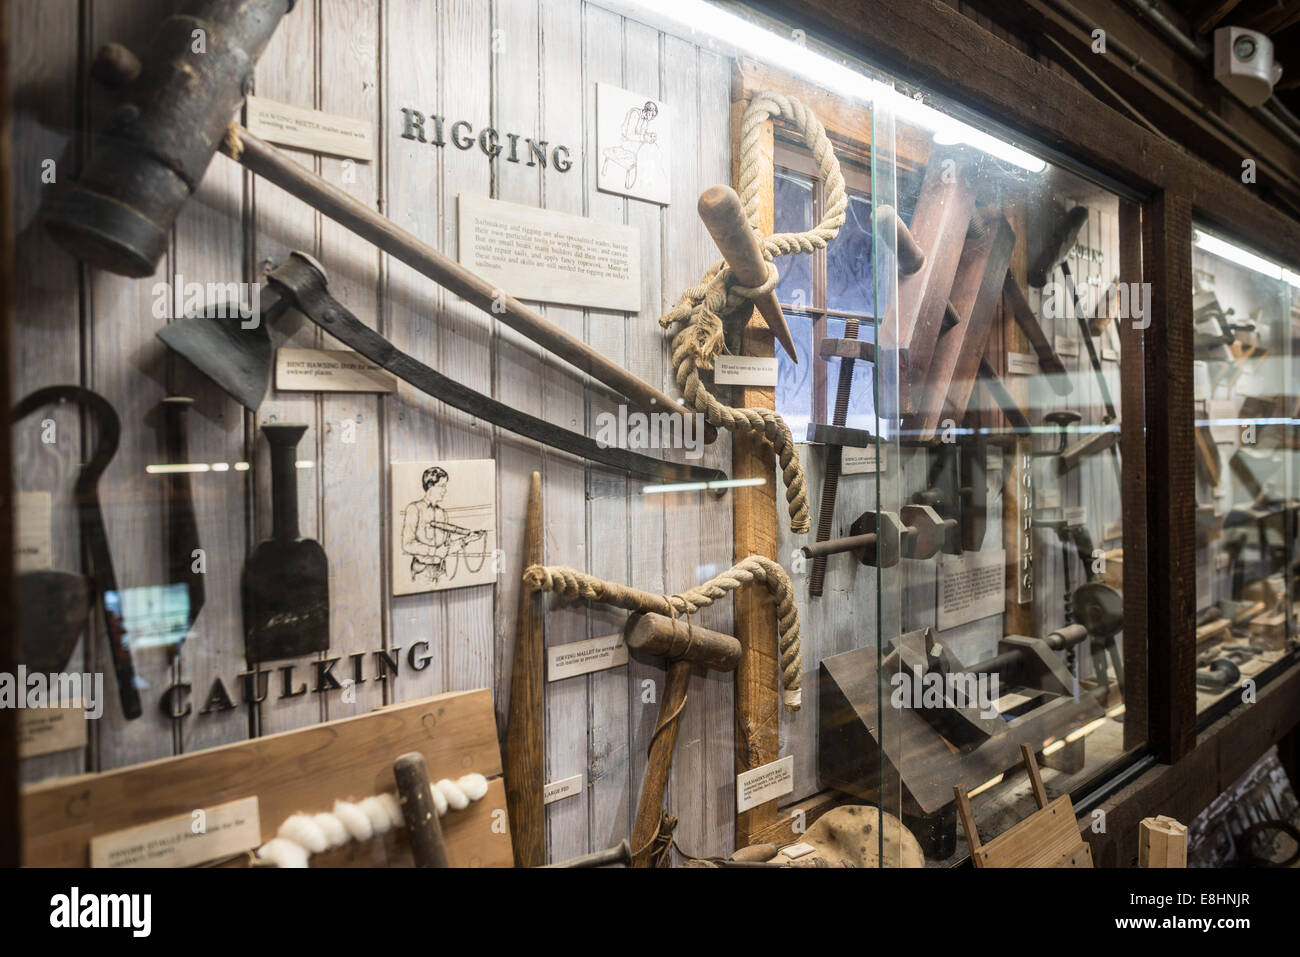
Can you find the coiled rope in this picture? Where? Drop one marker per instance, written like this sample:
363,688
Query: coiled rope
698,344
575,584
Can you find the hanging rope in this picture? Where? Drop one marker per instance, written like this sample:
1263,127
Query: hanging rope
702,307
575,584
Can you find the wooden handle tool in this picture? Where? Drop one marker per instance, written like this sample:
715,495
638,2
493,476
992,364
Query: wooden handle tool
724,217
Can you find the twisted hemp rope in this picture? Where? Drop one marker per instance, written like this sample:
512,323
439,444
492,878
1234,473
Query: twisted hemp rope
575,584
702,307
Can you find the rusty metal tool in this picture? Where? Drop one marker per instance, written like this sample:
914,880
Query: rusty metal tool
53,605
881,538
286,581
182,527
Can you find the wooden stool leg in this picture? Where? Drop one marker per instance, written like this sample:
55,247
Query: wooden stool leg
967,823
1035,780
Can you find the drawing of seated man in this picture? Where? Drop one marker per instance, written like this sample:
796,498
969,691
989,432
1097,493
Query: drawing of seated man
636,133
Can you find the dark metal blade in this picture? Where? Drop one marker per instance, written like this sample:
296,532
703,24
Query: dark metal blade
286,601
52,612
237,359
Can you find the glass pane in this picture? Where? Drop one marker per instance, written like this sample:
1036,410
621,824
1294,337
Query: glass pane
1246,317
857,396
794,386
848,260
793,206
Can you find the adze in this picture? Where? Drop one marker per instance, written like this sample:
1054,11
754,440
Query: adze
240,361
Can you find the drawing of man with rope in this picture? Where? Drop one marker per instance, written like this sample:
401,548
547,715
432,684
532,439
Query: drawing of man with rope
427,536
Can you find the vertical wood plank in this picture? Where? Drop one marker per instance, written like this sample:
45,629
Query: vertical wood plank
564,403
1171,471
46,340
127,365
353,475
610,788
288,72
412,79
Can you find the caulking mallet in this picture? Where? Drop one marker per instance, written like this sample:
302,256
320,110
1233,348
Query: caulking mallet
724,217
415,795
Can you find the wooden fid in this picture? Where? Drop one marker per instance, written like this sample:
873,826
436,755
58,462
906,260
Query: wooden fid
416,797
685,643
524,756
724,218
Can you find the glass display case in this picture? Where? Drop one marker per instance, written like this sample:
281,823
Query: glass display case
1246,312
679,436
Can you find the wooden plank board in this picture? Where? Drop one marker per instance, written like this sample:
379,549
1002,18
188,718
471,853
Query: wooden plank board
46,343
303,770
1044,839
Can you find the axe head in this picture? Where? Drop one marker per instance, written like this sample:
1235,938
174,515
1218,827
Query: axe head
236,358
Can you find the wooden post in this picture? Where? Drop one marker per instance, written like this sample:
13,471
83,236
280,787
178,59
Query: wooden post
9,837
1170,479
1133,453
1019,615
754,518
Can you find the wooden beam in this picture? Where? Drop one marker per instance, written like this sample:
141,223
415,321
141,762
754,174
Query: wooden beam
1170,478
1272,19
9,833
1133,455
932,44
754,518
1226,750
1210,14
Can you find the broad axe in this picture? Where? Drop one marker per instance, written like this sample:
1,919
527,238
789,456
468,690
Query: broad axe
173,115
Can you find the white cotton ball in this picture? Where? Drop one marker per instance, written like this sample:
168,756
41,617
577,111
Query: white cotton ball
439,800
374,809
354,819
335,833
283,853
456,798
303,829
474,786
393,807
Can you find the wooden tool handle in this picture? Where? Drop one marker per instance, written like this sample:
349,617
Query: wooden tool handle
416,797
283,438
910,255
724,217
273,166
678,638
1048,360
649,807
524,753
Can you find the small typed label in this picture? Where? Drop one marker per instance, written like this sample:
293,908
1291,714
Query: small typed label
744,370
32,512
329,370
583,657
1048,498
307,129
1022,363
558,790
993,460
203,834
796,851
1075,515
1113,531
1222,560
971,587
1109,355
858,461
50,730
1067,347
764,783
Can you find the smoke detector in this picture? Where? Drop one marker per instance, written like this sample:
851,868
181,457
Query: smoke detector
1243,62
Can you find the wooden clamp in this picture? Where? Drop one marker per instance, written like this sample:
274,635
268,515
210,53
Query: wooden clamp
683,644
724,218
